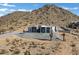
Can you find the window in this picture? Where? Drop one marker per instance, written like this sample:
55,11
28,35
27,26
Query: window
48,29
34,29
43,29
38,30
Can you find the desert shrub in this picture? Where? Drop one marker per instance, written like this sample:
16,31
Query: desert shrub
25,43
27,52
10,50
7,40
23,47
11,28
32,46
12,47
16,40
74,51
73,45
2,31
42,47
31,43
2,51
16,51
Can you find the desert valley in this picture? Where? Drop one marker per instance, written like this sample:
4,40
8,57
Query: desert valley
49,14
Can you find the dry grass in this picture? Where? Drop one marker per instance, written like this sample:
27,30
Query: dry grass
13,45
16,45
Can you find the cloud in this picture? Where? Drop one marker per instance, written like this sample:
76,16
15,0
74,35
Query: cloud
4,11
1,15
7,5
74,8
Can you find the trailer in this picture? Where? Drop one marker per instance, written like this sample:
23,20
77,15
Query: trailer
42,32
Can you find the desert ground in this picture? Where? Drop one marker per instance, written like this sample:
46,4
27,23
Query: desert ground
14,45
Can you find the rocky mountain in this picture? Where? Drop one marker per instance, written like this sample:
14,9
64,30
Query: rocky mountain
51,14
46,15
11,22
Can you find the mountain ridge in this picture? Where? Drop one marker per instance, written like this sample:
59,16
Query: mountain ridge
46,15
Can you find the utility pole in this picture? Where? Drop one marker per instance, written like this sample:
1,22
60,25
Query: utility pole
51,31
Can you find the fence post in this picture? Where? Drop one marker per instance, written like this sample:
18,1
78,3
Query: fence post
63,37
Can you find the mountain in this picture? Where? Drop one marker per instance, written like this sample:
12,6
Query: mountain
51,14
46,15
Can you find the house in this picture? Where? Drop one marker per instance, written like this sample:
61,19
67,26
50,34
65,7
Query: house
44,29
43,32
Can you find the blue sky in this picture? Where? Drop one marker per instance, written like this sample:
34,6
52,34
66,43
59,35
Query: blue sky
6,8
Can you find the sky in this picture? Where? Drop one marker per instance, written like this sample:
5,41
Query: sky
6,8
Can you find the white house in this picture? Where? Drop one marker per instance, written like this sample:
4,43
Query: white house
44,29
42,32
